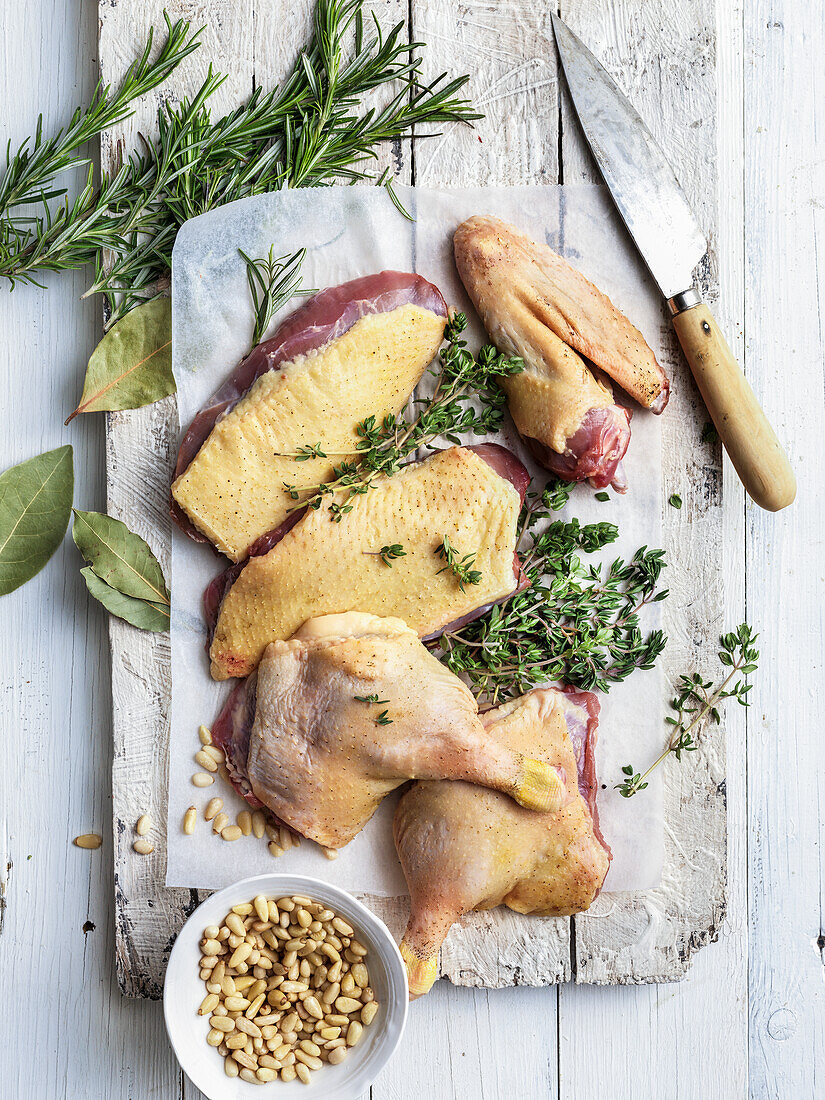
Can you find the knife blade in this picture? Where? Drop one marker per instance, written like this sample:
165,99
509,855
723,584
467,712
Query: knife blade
658,217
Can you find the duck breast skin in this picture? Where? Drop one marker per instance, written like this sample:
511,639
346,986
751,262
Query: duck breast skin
471,496
350,708
534,304
464,848
349,352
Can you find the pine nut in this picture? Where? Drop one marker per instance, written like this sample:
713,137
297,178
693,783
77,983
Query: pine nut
248,1028
329,1033
354,1033
368,1013
206,761
201,779
214,753
337,1056
275,849
143,847
230,1067
258,823
222,1023
248,1075
303,1073
88,840
330,853
207,1004
341,926
220,821
213,807
265,1073
236,1041
245,1059
345,1005
360,974
189,819
261,908
215,1037
205,735
143,825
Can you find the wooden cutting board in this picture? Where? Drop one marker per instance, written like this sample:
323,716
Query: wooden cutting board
528,135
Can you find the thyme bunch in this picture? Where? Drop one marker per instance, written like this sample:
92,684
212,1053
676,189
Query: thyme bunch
698,702
575,623
467,400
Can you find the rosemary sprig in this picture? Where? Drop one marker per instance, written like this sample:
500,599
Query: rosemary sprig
467,400
460,567
311,130
576,624
698,702
272,282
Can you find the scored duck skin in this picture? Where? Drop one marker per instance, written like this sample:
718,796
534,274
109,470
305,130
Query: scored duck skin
319,566
349,709
349,352
535,305
464,848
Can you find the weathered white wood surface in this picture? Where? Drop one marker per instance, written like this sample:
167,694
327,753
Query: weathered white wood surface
72,1035
625,940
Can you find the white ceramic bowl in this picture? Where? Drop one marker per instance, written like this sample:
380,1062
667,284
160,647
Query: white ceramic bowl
184,990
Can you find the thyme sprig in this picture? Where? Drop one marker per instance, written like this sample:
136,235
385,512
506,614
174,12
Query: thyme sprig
388,554
311,130
460,567
575,623
467,400
697,702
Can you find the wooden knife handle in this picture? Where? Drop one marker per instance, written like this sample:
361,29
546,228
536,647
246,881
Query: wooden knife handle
749,439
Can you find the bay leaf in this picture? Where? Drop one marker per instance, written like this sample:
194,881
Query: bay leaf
132,364
119,557
140,613
35,504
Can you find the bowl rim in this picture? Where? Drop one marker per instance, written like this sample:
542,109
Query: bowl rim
373,927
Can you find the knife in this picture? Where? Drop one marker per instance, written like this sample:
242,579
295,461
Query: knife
664,229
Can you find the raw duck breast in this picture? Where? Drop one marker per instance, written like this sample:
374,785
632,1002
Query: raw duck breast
464,848
347,353
534,304
319,567
303,738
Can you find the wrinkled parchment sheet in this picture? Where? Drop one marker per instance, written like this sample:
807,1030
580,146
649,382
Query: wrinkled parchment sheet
355,231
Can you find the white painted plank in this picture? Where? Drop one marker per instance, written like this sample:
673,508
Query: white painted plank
140,452
784,299
69,1033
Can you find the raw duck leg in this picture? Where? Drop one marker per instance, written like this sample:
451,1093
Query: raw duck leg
319,567
349,709
534,304
347,353
464,848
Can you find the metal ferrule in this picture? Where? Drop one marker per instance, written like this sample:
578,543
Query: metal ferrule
686,300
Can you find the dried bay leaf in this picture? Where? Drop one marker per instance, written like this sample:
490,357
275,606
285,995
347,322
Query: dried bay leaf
120,558
140,613
132,364
35,504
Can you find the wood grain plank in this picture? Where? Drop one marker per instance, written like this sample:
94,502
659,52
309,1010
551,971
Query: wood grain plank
663,56
784,300
139,453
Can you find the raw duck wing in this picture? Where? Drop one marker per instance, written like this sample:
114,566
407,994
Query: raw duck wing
321,567
464,848
534,304
313,750
349,352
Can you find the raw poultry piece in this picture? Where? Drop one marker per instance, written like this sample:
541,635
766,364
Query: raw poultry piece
349,709
470,495
464,848
534,304
349,352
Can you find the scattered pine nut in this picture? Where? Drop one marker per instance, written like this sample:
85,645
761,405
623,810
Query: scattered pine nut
213,806
201,779
330,853
189,819
143,847
219,822
231,832
206,761
245,822
88,840
275,849
143,825
258,823
205,735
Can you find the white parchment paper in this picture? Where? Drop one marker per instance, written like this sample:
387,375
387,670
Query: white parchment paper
355,231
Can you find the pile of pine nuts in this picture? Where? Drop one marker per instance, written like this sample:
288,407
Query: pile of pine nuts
287,989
